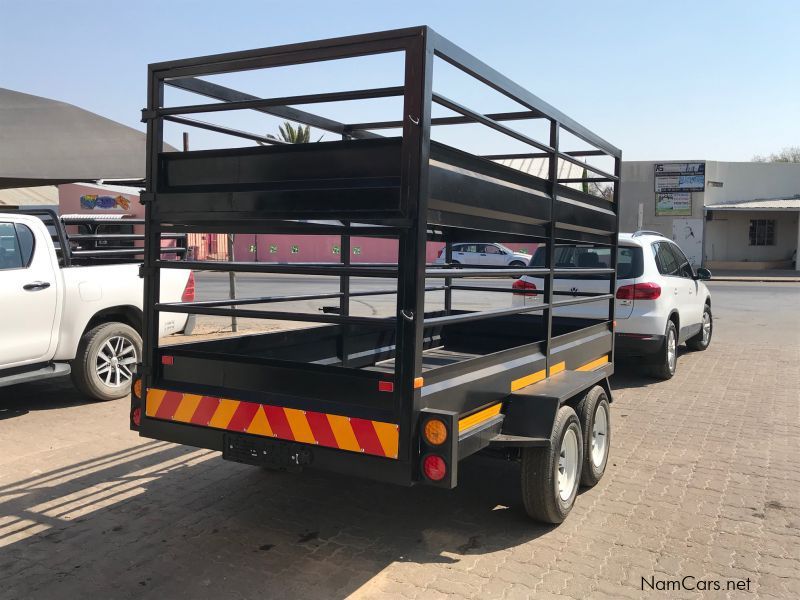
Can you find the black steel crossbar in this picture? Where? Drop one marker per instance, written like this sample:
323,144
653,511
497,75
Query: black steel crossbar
587,166
126,252
334,270
292,298
462,120
484,120
494,272
274,315
225,130
384,92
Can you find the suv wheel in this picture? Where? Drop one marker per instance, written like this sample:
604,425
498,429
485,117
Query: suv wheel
703,337
666,360
106,361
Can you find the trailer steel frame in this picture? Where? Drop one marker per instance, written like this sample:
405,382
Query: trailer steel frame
408,188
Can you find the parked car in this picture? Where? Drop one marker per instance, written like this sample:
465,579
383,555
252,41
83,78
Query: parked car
482,255
661,301
61,314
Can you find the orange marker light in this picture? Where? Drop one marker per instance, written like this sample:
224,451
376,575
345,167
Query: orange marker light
418,382
435,432
137,388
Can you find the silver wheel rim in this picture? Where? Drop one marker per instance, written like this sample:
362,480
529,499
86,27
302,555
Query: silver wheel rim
672,350
568,465
115,361
706,327
600,436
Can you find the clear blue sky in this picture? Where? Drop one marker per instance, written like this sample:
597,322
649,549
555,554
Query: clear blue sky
712,80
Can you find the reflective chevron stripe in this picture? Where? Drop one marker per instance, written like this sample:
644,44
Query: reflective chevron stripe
333,431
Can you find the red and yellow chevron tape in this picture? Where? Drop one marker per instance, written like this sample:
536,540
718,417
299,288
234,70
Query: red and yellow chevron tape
332,431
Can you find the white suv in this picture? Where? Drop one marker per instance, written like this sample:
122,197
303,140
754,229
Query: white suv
661,301
477,254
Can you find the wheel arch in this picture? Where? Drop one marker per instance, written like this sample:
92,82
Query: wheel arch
128,314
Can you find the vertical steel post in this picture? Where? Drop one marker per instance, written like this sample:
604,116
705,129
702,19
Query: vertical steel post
614,254
415,154
152,243
448,281
344,289
551,240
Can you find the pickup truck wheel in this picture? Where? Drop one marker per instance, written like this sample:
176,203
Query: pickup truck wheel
550,476
701,341
594,414
106,361
666,361
517,264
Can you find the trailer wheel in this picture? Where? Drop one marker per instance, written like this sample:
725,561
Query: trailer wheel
703,338
550,476
106,360
666,360
595,417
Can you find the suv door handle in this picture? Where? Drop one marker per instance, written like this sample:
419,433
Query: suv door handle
36,286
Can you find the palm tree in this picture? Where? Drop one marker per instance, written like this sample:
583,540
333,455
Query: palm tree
293,135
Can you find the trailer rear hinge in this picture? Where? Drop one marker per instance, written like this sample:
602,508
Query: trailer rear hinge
148,115
145,197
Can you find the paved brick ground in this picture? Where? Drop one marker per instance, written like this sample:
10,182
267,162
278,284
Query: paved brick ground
703,481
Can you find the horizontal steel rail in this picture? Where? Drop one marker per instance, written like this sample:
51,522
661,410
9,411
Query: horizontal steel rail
384,92
484,120
122,236
219,92
541,154
125,252
333,270
587,166
225,130
501,116
381,322
292,298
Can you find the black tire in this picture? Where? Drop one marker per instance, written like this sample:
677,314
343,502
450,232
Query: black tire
540,470
587,409
700,342
89,362
517,265
664,366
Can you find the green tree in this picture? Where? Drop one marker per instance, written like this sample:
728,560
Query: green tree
301,134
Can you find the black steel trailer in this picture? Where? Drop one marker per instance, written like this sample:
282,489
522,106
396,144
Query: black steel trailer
400,399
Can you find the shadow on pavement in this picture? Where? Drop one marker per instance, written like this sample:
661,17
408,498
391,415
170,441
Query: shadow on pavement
157,520
18,400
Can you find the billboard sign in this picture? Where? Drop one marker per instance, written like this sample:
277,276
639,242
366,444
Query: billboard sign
673,204
680,177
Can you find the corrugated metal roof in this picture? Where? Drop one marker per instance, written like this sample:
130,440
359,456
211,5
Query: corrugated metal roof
792,203
43,195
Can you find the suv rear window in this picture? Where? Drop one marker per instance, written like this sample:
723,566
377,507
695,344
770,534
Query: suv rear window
629,259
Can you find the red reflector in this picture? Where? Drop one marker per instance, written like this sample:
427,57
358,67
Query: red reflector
521,284
440,253
188,291
639,291
434,467
136,416
385,386
167,360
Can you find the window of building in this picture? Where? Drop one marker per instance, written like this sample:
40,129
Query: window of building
762,232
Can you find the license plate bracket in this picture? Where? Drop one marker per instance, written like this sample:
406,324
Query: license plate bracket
274,454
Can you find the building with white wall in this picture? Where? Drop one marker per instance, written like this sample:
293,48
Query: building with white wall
738,215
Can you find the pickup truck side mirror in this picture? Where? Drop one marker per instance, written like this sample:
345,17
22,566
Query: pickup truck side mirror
703,274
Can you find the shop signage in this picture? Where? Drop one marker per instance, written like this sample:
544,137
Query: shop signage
680,177
674,204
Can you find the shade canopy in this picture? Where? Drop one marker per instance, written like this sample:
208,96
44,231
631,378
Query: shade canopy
44,141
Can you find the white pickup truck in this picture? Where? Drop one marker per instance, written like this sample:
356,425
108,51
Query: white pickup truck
61,312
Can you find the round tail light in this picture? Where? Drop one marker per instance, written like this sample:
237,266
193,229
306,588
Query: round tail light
434,467
435,432
136,416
